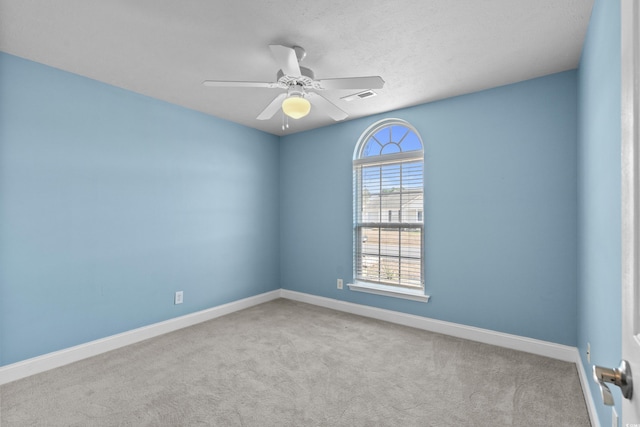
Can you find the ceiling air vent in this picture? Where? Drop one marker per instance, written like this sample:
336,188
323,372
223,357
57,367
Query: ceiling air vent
360,95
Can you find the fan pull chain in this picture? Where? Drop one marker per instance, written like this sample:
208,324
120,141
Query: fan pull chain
285,121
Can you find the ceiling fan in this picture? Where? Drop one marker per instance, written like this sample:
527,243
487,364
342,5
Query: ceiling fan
301,86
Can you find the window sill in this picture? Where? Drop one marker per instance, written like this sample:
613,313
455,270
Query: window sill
390,291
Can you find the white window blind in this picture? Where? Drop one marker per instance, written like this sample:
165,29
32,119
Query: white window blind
389,203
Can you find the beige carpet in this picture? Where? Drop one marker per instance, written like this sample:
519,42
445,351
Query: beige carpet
285,363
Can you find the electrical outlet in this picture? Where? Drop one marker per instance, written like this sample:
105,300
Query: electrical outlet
339,283
177,299
614,417
588,352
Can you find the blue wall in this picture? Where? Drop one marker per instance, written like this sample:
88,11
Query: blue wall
111,201
500,209
599,289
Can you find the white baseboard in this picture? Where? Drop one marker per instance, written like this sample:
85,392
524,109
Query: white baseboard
63,357
529,345
586,390
69,355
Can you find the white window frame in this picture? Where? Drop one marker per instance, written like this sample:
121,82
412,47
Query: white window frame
412,292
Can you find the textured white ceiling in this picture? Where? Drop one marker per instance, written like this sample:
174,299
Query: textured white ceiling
424,49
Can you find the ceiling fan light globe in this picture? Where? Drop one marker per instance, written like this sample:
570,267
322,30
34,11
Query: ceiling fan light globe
296,107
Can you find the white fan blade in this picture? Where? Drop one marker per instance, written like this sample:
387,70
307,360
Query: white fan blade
272,108
286,59
369,82
221,83
327,107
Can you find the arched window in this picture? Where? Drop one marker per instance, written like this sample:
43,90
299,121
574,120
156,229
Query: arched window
388,165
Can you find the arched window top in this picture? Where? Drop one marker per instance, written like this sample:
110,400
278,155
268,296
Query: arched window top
388,137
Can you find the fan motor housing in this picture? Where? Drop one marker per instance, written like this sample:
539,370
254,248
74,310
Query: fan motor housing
306,79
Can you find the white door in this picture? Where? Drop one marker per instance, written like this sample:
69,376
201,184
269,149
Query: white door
630,20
